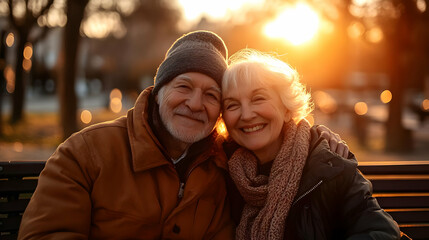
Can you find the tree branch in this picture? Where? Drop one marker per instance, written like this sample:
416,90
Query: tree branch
11,18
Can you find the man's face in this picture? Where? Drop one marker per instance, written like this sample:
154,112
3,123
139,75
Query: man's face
189,106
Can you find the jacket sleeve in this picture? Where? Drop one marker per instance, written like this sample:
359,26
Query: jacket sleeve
362,214
60,208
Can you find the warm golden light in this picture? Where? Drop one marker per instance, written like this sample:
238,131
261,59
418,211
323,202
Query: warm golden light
375,35
310,119
10,39
26,64
116,105
86,116
325,102
386,96
425,104
355,30
103,24
115,93
361,108
28,51
297,24
194,9
18,147
221,128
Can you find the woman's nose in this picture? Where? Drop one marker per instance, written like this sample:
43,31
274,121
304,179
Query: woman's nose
247,113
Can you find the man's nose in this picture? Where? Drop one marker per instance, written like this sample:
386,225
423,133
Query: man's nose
195,101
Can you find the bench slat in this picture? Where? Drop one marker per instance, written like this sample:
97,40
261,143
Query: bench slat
403,201
13,186
14,206
13,236
416,231
396,167
21,169
11,223
400,185
411,215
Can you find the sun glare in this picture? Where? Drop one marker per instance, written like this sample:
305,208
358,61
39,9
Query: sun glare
297,24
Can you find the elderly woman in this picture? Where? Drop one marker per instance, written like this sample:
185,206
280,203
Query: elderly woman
292,185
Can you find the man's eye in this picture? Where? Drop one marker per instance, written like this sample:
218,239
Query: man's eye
213,96
182,86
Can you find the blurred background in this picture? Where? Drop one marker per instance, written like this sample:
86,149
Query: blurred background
65,65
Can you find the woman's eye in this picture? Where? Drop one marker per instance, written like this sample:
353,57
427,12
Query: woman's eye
231,106
258,98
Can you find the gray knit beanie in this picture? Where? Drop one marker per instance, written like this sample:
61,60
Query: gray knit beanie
199,51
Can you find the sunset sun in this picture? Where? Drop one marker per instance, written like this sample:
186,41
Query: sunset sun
297,24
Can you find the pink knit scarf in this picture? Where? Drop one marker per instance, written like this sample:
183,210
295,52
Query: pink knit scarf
268,199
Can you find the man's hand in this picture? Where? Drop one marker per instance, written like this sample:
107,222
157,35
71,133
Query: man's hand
335,143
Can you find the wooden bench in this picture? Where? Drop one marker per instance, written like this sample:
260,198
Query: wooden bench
18,180
402,189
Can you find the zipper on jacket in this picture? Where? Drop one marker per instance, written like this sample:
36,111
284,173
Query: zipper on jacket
181,191
307,192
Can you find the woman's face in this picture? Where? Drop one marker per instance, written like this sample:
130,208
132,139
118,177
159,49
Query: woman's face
254,116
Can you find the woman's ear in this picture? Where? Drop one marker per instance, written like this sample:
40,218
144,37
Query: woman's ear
288,115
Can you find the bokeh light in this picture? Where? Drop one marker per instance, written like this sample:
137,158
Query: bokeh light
425,105
386,96
103,24
18,147
115,100
28,51
115,93
374,35
355,30
9,74
10,39
361,108
86,116
115,105
325,102
26,64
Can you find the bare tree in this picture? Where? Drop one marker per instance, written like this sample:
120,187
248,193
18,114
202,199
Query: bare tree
2,78
23,26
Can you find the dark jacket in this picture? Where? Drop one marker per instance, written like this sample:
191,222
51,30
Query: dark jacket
113,181
334,201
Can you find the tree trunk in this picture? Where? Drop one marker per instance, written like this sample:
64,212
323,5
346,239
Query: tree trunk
67,68
398,139
2,78
19,92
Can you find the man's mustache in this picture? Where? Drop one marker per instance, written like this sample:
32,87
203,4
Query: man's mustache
185,111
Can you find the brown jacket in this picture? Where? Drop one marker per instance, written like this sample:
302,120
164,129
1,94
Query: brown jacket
112,181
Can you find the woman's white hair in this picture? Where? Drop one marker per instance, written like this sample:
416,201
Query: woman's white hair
252,66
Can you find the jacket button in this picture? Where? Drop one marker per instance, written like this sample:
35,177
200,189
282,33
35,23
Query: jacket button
176,229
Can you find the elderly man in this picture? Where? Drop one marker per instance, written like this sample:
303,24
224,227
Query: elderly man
158,172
